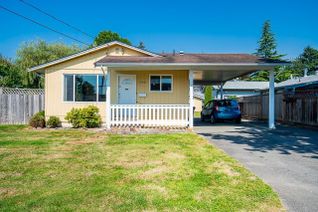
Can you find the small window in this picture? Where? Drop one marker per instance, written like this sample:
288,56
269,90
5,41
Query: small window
160,83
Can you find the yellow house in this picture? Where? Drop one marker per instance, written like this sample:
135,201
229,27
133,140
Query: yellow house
131,86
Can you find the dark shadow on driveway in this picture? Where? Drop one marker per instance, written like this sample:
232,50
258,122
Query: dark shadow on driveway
258,138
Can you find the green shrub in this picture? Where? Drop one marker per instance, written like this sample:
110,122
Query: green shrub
91,116
74,117
53,122
37,120
86,117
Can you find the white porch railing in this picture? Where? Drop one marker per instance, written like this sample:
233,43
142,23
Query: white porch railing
150,115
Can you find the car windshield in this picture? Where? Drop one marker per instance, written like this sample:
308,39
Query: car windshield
227,103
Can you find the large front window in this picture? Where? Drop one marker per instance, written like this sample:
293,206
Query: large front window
84,88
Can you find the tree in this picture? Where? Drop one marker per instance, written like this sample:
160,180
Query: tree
10,74
207,94
266,50
109,36
38,52
141,45
267,43
308,59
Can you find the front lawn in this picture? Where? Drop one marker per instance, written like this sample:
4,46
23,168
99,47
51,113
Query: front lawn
60,170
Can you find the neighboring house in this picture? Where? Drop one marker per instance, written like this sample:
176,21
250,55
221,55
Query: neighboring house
299,84
198,100
238,88
249,88
131,86
295,101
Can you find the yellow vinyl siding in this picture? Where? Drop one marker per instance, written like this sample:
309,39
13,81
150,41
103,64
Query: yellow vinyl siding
54,103
54,80
178,95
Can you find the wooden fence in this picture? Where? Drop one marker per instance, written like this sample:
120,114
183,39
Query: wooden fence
18,105
298,108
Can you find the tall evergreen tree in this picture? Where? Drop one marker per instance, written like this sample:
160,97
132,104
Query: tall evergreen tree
267,49
267,43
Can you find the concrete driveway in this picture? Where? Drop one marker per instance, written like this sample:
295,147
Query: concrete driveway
285,158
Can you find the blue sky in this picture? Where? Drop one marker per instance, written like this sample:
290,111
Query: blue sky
192,26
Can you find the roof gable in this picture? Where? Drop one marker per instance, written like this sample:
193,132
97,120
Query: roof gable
92,50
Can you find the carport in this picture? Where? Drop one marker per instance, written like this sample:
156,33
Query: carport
218,74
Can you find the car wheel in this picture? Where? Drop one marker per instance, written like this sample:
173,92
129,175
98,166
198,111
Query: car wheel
238,120
212,119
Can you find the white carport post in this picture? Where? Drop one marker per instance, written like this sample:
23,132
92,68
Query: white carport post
190,99
221,90
271,98
108,111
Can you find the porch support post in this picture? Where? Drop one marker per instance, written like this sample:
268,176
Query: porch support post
271,96
221,90
191,99
108,111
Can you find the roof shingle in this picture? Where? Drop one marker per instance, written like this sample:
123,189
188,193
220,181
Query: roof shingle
188,58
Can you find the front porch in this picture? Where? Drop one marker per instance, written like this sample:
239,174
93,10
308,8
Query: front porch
155,98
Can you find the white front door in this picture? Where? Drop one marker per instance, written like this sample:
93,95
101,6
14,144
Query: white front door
126,89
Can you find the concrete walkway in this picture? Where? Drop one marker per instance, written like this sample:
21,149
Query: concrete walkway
285,158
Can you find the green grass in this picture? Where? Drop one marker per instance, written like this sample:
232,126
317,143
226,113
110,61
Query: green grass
66,170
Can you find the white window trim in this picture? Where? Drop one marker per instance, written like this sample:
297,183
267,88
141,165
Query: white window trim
81,102
161,75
